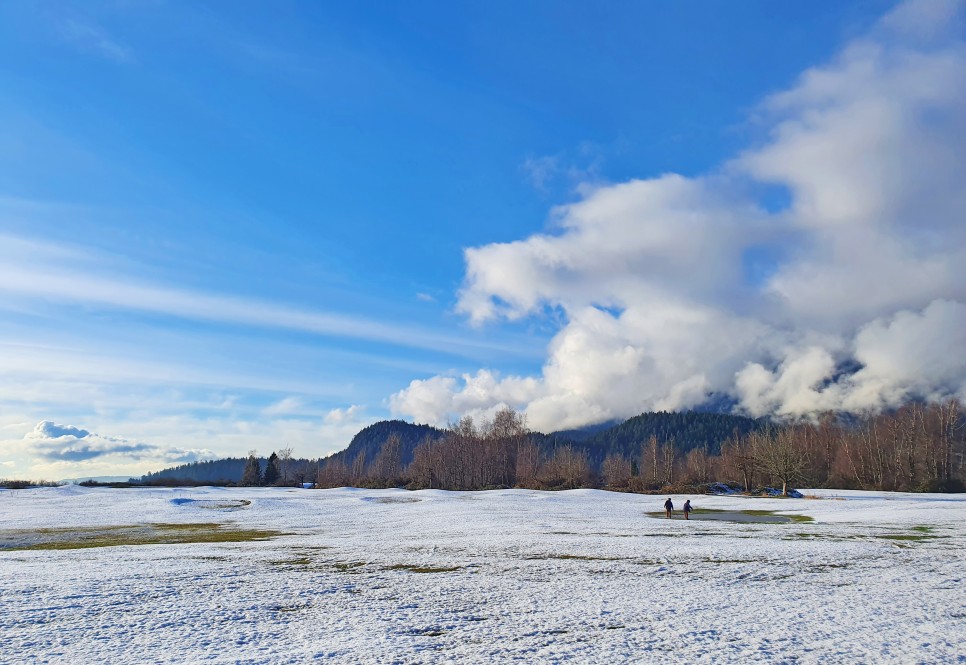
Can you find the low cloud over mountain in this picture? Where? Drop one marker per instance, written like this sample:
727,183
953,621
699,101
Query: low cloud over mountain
822,268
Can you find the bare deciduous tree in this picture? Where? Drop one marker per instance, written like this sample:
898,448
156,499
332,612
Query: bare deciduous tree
285,463
528,465
387,466
782,456
616,471
738,458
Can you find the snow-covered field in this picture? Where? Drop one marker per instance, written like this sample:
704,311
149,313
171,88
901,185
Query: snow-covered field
388,576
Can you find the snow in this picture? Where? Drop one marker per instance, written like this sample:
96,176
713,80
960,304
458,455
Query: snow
506,576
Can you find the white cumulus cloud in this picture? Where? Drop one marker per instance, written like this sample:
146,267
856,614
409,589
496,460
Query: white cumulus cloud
676,289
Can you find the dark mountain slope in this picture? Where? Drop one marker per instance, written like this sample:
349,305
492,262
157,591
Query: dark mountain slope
688,430
371,439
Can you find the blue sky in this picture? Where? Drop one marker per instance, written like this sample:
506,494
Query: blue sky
227,226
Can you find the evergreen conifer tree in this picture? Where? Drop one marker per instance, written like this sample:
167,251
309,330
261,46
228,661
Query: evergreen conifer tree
252,476
272,474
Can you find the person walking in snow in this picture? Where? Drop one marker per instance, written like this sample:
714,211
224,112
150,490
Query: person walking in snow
687,508
668,507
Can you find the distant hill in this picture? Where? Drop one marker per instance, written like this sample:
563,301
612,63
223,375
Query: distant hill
228,470
370,439
96,479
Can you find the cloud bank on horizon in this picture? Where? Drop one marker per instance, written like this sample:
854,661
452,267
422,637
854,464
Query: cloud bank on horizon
822,269
52,443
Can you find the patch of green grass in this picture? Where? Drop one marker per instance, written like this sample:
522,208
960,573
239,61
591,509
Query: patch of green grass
916,538
920,536
297,561
823,536
346,566
730,561
423,569
428,632
572,557
146,534
59,531
801,519
827,567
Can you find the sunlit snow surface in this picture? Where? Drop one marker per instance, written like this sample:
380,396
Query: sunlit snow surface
388,576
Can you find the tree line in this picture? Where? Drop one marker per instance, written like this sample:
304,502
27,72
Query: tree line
919,447
278,469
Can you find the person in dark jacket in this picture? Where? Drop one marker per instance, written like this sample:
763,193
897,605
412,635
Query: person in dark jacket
687,508
668,507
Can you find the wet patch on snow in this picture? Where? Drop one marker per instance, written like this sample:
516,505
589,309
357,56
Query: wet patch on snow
744,516
391,499
212,504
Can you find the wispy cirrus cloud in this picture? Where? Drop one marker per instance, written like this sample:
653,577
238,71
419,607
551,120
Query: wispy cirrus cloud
285,406
114,367
89,37
579,169
52,281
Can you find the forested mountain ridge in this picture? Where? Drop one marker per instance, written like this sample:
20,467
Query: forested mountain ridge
228,470
687,429
370,440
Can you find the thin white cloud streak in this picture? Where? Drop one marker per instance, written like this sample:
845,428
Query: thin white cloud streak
92,38
285,407
52,365
62,348
651,275
20,279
